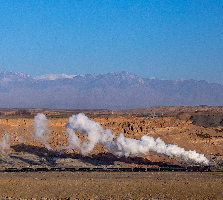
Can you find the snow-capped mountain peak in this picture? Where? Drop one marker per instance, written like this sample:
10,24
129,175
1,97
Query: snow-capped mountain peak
53,77
108,91
12,76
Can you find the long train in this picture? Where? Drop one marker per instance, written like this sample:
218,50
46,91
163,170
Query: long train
118,169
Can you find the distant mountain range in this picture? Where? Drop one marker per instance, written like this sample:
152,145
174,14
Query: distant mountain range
103,91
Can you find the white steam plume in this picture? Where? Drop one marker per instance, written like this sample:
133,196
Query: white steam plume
122,146
94,132
126,146
40,129
74,141
4,144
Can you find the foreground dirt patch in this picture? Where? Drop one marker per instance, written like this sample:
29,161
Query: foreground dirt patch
98,185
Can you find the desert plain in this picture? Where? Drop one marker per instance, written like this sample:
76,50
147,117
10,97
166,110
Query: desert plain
23,158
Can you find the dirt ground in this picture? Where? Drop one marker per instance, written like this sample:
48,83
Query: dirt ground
113,185
192,128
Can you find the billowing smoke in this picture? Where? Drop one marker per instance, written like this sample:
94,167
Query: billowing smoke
4,144
122,146
74,141
40,129
126,146
94,132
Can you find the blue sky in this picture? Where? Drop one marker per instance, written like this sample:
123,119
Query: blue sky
163,39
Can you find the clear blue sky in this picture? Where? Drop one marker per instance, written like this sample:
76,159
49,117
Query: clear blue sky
164,39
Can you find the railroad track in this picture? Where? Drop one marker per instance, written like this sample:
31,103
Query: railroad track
107,169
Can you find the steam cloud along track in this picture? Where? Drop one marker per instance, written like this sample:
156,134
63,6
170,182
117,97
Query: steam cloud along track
120,146
94,134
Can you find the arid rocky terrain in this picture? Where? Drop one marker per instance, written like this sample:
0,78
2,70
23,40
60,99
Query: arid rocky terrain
192,128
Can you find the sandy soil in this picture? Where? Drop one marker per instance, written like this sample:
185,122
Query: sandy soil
95,185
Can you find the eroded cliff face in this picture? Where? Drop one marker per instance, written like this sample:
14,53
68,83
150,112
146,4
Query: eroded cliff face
171,130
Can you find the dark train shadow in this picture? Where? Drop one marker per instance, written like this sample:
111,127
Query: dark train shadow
50,157
45,156
28,161
111,158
